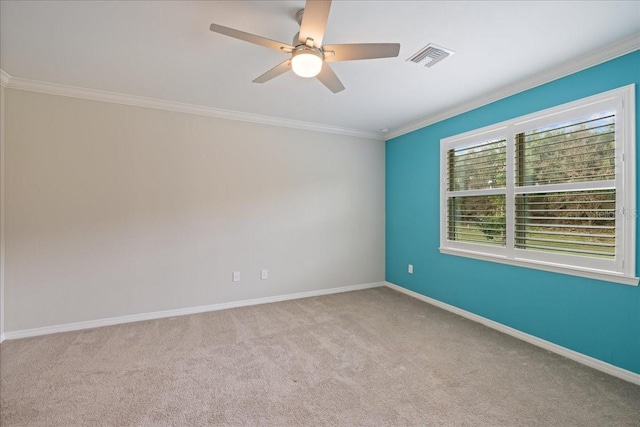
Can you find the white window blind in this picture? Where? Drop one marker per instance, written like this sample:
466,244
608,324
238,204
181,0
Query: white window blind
552,190
475,212
573,156
579,223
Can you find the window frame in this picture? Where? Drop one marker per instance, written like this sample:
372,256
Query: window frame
619,270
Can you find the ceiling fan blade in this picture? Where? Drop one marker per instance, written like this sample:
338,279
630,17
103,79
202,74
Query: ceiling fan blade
352,52
281,68
251,38
314,21
329,79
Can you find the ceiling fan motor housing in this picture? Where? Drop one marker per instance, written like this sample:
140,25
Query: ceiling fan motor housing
299,16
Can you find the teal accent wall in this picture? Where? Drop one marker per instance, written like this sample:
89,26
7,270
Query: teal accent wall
596,318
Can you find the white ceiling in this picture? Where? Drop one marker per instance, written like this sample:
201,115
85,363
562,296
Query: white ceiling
164,50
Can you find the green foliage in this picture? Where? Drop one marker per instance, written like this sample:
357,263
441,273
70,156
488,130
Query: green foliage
494,224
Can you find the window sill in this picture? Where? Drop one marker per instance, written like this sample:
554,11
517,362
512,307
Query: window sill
555,268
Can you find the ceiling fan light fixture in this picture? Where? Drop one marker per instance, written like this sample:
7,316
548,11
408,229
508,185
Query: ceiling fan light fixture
306,62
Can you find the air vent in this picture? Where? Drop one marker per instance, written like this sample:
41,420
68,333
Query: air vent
430,55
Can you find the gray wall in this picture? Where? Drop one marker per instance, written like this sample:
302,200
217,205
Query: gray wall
114,210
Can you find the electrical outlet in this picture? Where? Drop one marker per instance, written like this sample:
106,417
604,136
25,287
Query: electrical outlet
236,276
264,274
410,269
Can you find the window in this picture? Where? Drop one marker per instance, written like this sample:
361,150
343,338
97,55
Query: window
553,190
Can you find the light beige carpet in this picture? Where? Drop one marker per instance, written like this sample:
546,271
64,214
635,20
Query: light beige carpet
373,357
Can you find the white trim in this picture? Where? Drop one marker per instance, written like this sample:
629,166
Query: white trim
590,274
67,327
608,53
159,104
2,210
629,179
4,78
589,361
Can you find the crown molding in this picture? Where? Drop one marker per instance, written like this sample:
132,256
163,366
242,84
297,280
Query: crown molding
159,104
612,51
4,78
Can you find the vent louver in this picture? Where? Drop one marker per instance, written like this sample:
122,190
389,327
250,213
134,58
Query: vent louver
430,55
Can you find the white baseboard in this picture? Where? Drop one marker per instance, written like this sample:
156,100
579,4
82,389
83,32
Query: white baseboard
605,367
67,327
563,351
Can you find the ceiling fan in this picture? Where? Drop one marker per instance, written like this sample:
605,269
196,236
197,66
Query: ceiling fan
309,57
